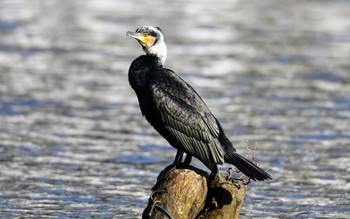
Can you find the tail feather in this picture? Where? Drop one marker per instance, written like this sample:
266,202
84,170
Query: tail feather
246,166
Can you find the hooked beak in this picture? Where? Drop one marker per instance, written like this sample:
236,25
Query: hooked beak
137,36
144,39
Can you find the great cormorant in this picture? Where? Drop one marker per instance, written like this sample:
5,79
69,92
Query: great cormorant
178,113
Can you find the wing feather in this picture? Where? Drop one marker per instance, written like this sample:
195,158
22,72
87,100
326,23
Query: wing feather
187,118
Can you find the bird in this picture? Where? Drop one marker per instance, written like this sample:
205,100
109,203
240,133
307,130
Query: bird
178,113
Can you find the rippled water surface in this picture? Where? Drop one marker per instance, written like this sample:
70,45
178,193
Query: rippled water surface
73,143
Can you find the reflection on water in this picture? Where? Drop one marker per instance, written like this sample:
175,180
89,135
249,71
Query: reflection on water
74,145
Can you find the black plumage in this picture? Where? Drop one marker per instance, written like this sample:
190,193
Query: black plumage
177,112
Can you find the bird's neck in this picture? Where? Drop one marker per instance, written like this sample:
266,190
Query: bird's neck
159,51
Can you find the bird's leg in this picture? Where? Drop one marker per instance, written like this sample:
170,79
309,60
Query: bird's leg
214,171
188,159
186,162
167,169
178,158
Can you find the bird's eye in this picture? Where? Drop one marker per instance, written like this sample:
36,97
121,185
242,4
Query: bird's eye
144,34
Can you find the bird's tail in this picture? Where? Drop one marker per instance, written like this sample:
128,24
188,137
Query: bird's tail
246,166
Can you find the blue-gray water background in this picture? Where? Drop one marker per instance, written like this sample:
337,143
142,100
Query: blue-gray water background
73,143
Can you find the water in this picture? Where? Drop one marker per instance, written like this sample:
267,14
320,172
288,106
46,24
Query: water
74,145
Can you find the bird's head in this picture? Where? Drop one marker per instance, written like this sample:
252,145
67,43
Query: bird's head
152,41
